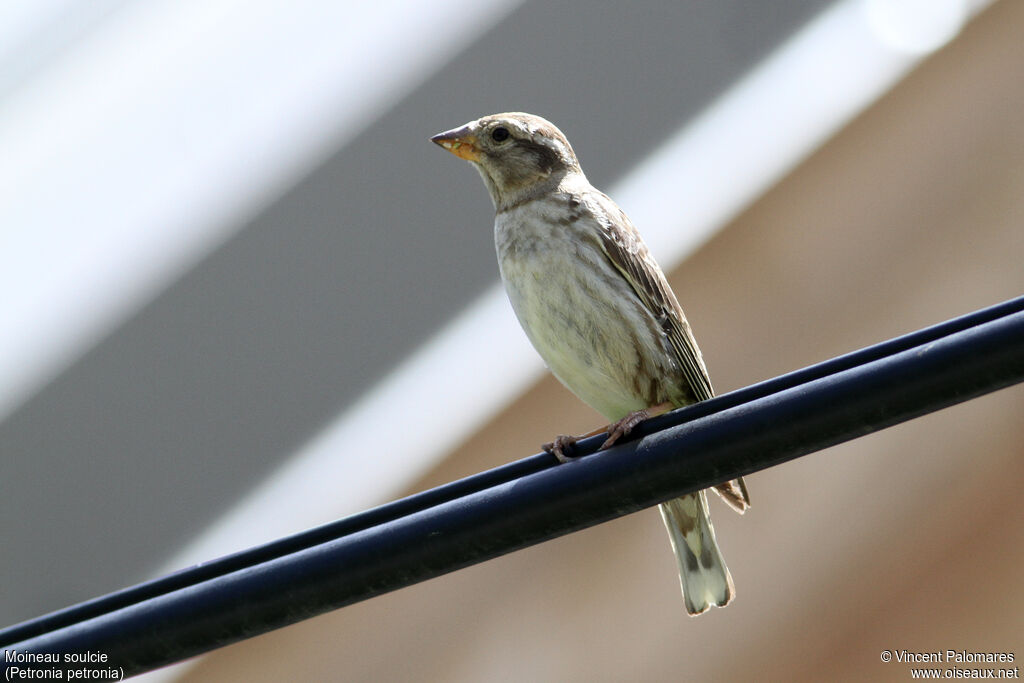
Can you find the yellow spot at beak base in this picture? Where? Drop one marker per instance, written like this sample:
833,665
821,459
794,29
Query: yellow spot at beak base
463,147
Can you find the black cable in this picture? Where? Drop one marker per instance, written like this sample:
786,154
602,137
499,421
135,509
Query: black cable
532,500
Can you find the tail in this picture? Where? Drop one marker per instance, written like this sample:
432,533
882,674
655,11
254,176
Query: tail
702,571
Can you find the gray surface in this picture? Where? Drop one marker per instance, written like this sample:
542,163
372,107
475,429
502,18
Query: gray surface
172,418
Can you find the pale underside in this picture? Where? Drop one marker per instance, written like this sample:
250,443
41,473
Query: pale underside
596,335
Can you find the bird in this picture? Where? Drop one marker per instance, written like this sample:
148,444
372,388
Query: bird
598,309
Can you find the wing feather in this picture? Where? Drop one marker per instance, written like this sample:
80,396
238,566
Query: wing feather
631,257
628,253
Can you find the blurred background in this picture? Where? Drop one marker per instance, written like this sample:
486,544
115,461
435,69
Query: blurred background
243,295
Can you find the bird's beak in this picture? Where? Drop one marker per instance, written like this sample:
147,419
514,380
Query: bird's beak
460,142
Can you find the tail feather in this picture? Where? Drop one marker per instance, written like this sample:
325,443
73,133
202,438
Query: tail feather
735,494
702,572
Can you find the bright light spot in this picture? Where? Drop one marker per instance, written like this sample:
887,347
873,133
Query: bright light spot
916,26
124,158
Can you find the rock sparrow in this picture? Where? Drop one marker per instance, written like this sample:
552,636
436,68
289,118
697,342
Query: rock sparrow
597,308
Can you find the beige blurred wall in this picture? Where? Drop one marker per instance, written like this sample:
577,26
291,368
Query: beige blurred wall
907,539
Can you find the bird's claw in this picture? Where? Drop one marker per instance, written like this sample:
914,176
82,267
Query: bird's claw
619,429
559,446
563,443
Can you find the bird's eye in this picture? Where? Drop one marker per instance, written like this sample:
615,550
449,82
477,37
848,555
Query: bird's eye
500,134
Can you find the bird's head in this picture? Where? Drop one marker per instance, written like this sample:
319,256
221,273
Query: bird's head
519,156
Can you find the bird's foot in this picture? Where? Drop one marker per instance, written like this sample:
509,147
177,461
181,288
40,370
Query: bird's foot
563,445
559,446
617,430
